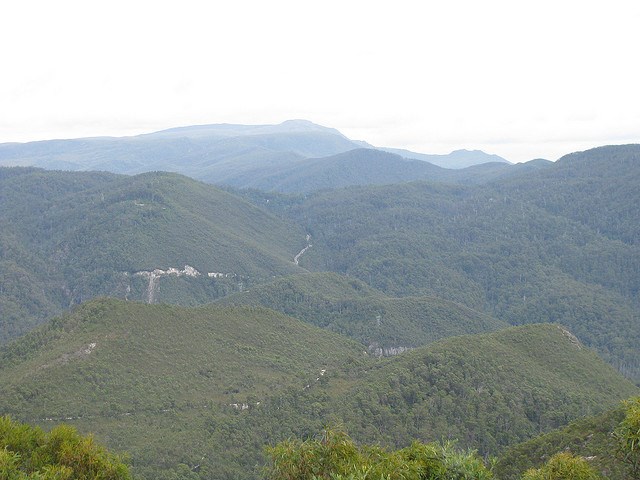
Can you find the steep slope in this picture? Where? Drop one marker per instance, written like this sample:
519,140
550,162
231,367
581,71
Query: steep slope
385,325
590,437
154,379
556,244
597,187
72,236
488,391
202,390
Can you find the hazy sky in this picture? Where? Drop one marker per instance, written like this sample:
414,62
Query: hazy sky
522,79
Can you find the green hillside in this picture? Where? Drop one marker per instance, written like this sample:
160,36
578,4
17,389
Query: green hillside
597,187
150,379
201,391
591,437
113,353
68,237
348,306
498,247
362,167
487,391
355,167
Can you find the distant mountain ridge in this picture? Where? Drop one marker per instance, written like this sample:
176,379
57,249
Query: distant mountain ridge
226,154
457,159
239,130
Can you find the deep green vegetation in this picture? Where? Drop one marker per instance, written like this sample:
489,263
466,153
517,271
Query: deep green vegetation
161,381
627,435
554,245
348,306
589,437
608,441
487,391
68,237
335,456
197,393
563,466
28,453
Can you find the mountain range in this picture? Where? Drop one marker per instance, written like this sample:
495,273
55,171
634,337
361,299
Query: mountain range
237,155
319,282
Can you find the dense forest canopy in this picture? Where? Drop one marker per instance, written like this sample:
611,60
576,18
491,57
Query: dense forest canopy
191,325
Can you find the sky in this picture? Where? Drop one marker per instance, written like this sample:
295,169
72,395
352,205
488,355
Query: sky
521,79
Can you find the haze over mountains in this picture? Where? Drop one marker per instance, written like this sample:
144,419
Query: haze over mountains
325,282
284,157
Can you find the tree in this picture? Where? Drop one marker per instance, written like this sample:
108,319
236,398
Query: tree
28,453
628,435
334,456
563,466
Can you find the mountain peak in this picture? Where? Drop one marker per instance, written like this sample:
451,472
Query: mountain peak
302,125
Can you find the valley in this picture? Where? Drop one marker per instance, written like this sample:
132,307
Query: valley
276,279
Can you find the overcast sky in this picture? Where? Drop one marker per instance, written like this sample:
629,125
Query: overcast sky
520,79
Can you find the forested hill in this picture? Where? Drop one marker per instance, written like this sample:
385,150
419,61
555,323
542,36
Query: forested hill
557,244
554,243
597,188
592,437
485,390
385,325
355,167
210,386
67,237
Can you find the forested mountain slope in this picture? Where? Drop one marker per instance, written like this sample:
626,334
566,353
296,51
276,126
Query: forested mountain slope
486,391
598,188
367,167
154,380
67,237
385,325
355,167
592,437
202,390
564,251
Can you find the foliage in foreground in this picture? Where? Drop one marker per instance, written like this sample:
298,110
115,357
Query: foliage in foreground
563,466
610,441
335,456
628,436
27,452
